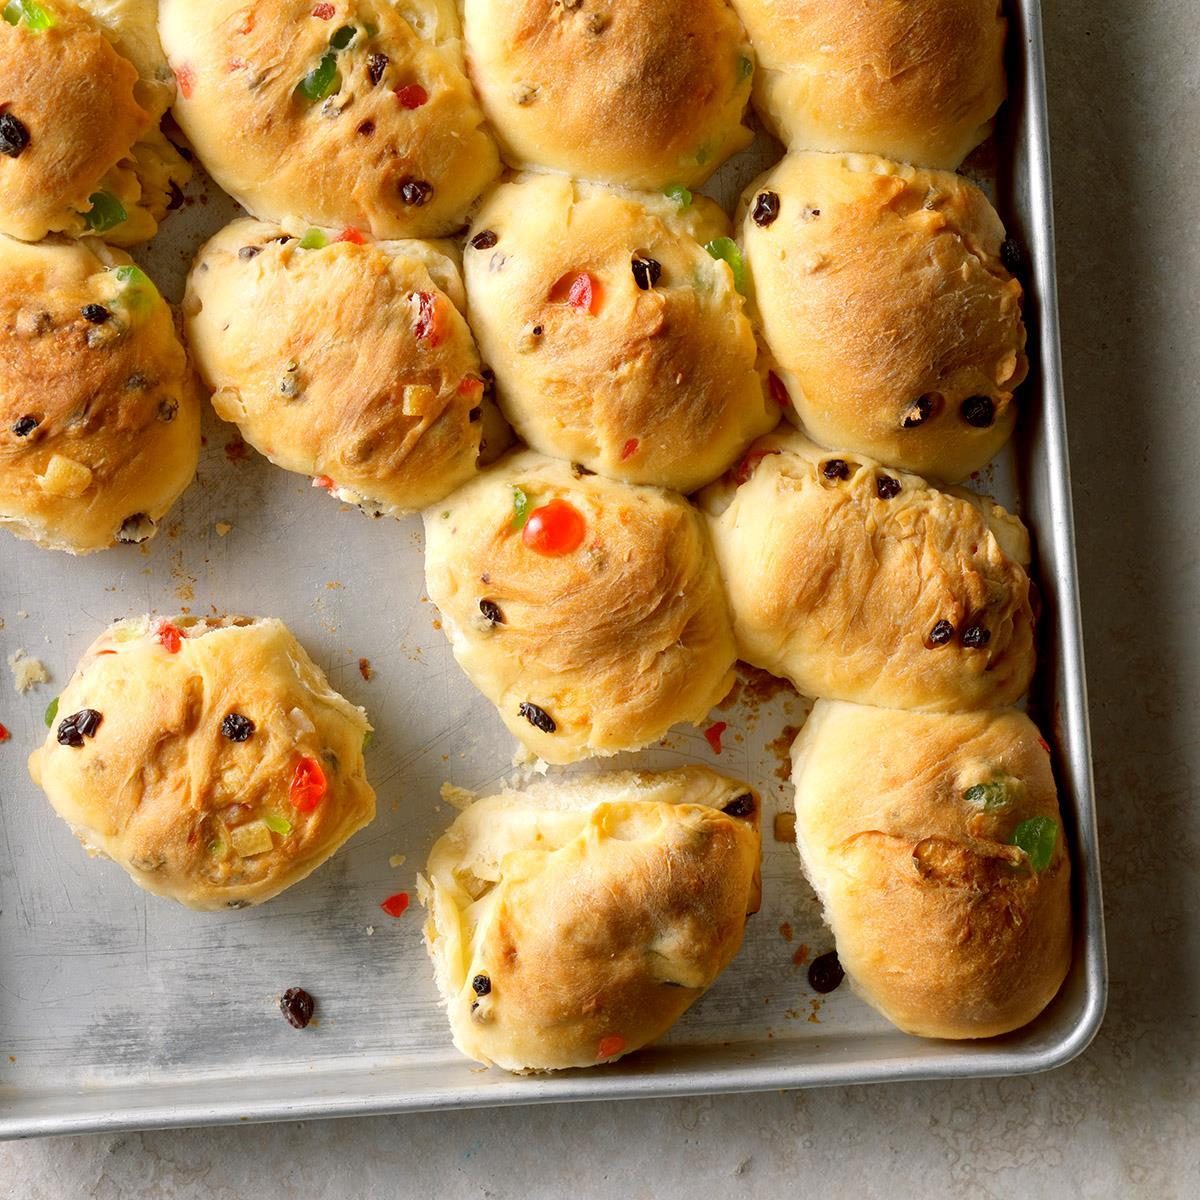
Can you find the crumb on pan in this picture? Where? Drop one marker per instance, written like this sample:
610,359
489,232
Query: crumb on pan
457,797
27,672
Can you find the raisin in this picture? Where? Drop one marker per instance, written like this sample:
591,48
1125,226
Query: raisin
539,718
475,414
73,729
886,487
485,239
237,728
1012,256
646,272
14,136
741,806
168,410
97,314
246,253
366,128
766,209
825,972
26,425
416,192
919,411
975,637
297,1007
836,468
491,610
176,201
941,633
978,411
376,65
481,985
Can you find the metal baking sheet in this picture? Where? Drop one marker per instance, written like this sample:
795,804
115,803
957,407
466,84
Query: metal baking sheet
119,1010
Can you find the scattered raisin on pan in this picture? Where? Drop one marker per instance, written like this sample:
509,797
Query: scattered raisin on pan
978,411
491,610
975,637
97,314
766,209
1012,256
237,728
246,253
297,1007
376,65
14,136
918,412
941,633
416,192
836,468
481,985
539,718
646,272
887,487
740,806
485,239
73,729
825,972
25,426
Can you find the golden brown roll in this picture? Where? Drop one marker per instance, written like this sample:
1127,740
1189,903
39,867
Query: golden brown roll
894,325
355,113
914,80
642,93
616,340
859,582
588,611
577,920
209,758
82,90
934,842
345,360
99,413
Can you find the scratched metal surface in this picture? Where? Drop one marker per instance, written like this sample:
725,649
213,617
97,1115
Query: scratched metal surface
118,1009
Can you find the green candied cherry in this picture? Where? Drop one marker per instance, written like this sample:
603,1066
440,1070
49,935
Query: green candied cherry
1037,837
521,508
680,195
32,13
725,250
51,712
106,212
277,824
138,293
314,239
343,37
745,68
321,81
991,797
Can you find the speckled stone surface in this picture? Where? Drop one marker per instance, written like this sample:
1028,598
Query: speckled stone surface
1120,1121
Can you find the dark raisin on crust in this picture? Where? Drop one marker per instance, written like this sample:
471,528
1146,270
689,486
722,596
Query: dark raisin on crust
416,192
740,806
539,718
886,487
485,239
646,272
766,209
97,314
491,610
236,727
481,985
14,136
835,468
376,65
26,425
975,637
941,633
979,411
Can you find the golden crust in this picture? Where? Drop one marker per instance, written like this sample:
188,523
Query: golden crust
657,385
91,124
349,362
914,80
364,156
941,922
596,909
616,641
885,304
840,590
163,792
99,423
643,93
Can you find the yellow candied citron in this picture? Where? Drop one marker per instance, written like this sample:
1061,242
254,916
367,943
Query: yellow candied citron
249,840
65,477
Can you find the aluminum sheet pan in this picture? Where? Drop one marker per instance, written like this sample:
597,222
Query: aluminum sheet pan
119,1010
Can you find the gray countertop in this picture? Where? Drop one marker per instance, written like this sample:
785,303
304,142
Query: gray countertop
1120,1121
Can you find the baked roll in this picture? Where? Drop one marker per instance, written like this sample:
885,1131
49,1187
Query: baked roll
895,327
83,88
345,360
914,80
616,340
935,844
859,582
642,93
99,412
355,113
575,921
209,758
588,611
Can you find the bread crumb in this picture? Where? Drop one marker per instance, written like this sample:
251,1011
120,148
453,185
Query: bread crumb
27,672
784,827
222,528
397,860
456,797
370,931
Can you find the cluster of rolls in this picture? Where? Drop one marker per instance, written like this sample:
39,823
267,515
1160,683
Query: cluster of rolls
466,225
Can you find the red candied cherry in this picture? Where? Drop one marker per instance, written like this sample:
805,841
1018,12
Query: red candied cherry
555,529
